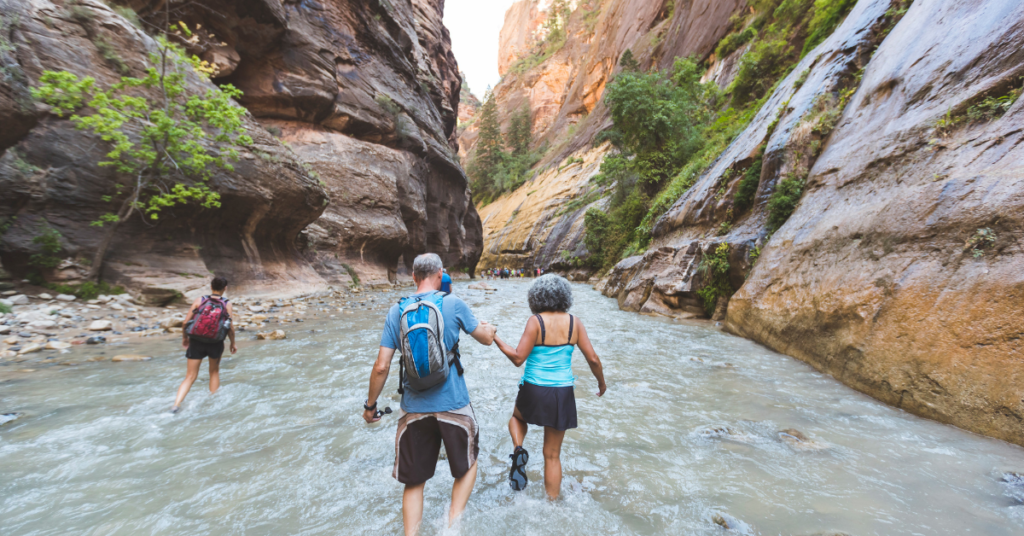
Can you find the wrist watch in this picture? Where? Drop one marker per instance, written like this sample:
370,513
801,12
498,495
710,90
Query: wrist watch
369,408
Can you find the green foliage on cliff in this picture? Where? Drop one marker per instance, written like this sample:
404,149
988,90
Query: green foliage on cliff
714,271
167,142
494,170
784,200
49,241
555,26
828,14
748,184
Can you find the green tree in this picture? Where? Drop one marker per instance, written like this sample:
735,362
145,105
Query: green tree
167,141
628,62
557,20
520,132
489,144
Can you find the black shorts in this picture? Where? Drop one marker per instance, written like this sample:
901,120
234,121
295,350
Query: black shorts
553,407
199,350
418,444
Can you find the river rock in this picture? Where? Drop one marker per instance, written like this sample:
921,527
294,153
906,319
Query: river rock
100,325
66,297
30,349
6,302
57,345
9,417
4,330
117,307
175,321
41,325
96,340
256,308
129,357
19,299
45,296
7,354
275,335
798,441
11,340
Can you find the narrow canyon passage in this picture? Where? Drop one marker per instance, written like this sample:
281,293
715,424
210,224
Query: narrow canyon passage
689,430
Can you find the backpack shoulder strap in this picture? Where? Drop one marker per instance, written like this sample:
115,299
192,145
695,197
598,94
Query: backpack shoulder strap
543,332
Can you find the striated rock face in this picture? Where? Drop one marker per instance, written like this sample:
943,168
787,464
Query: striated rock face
542,226
523,27
365,95
50,178
331,75
869,280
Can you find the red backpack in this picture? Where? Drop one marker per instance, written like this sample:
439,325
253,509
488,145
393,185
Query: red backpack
211,322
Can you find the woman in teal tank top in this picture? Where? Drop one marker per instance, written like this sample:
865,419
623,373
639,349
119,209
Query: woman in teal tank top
546,397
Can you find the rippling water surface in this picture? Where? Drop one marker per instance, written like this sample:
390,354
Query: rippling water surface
688,430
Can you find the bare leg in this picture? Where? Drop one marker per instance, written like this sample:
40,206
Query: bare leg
517,428
190,377
461,489
552,461
214,375
412,508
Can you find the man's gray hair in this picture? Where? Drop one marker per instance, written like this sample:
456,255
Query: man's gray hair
550,293
426,265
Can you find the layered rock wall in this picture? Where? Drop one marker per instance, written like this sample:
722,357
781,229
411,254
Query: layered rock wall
352,102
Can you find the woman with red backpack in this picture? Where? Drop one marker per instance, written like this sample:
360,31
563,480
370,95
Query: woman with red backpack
207,325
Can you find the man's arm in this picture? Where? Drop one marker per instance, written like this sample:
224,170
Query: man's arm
377,379
484,333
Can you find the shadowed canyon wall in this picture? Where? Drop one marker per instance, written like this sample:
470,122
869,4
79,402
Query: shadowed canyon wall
899,272
352,107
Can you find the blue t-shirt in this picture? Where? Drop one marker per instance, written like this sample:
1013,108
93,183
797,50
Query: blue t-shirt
446,283
452,394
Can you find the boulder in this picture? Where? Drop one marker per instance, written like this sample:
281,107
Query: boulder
275,335
100,325
66,297
39,325
175,321
30,349
18,299
129,357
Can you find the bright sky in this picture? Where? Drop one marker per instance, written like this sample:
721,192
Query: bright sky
475,25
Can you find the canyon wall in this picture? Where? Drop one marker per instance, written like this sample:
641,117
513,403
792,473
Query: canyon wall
563,94
900,271
352,108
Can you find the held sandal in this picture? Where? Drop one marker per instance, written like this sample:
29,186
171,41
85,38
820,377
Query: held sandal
517,476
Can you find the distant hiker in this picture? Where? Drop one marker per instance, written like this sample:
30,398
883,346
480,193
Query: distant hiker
446,283
546,396
207,324
435,401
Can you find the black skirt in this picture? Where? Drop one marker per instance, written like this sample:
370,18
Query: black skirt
553,407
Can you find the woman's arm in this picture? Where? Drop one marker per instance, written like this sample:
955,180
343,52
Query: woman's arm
588,352
518,355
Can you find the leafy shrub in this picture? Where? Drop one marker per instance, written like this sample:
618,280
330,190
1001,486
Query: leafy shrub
5,309
980,241
993,107
49,238
828,14
714,272
734,41
759,69
784,201
747,189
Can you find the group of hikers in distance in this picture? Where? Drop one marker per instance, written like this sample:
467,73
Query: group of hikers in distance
508,273
425,329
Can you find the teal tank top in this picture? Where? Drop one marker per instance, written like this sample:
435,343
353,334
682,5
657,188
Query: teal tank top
550,366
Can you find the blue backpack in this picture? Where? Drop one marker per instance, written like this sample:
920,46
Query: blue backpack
426,360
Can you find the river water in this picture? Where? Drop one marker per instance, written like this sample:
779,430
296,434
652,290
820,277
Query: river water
689,429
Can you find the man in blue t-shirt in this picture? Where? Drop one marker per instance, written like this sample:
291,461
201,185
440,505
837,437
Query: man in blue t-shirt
439,414
446,282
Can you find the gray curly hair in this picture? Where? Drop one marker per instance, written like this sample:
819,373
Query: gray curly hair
550,293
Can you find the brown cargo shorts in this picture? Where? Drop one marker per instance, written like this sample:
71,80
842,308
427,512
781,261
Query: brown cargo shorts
419,438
